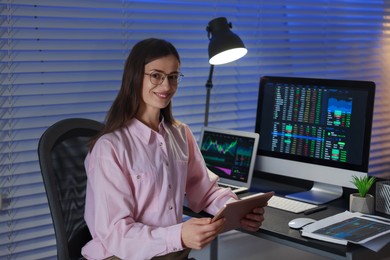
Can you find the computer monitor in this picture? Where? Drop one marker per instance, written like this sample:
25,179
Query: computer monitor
315,129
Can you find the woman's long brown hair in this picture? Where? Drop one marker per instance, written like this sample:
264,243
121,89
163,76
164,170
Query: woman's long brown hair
127,102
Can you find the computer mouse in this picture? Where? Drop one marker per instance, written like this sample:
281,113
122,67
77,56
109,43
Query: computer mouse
298,223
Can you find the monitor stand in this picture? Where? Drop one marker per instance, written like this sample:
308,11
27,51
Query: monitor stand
320,193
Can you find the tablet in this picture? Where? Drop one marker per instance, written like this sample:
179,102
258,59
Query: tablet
236,210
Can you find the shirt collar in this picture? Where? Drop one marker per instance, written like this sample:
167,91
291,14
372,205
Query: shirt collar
143,132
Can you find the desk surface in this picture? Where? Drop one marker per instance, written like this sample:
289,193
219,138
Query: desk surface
275,226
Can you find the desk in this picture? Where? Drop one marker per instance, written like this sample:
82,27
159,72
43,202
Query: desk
275,226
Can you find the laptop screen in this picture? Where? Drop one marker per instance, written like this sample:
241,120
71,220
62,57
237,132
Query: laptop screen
229,153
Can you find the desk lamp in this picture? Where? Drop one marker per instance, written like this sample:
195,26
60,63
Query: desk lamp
224,47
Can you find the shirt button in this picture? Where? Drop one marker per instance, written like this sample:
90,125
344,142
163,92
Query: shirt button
174,249
170,207
169,186
138,176
161,144
166,163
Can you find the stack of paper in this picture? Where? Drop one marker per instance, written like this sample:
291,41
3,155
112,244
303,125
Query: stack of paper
368,230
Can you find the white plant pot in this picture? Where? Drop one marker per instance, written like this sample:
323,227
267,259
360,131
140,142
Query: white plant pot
359,204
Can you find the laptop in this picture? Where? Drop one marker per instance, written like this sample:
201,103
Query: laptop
230,154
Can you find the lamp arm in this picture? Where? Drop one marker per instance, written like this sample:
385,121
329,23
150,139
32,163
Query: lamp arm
209,86
209,83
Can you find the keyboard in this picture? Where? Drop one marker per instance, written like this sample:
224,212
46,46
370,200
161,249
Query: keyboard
223,185
289,204
235,189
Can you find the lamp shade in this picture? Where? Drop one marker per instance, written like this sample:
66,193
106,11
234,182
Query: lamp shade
224,46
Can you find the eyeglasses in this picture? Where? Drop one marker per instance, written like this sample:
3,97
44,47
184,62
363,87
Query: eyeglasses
157,78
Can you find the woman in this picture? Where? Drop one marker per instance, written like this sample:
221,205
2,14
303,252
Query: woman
142,166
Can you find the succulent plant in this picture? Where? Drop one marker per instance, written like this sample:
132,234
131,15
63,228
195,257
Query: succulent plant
363,184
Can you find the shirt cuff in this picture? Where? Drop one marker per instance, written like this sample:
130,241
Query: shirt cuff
173,238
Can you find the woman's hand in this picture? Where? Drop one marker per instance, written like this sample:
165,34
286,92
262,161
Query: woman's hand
197,233
252,221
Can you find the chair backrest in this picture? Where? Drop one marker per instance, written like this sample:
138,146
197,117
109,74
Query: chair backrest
62,149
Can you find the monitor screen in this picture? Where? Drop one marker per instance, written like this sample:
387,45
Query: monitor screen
315,129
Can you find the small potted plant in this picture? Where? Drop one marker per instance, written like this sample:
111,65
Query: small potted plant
362,201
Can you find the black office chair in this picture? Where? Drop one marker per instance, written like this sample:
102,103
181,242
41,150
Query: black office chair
62,149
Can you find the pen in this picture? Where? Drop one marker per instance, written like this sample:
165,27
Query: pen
311,211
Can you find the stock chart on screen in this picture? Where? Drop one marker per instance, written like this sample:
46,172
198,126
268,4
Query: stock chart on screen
226,154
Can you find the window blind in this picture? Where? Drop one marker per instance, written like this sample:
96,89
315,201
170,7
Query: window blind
62,59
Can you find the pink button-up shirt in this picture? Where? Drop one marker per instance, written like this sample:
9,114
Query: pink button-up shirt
137,181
